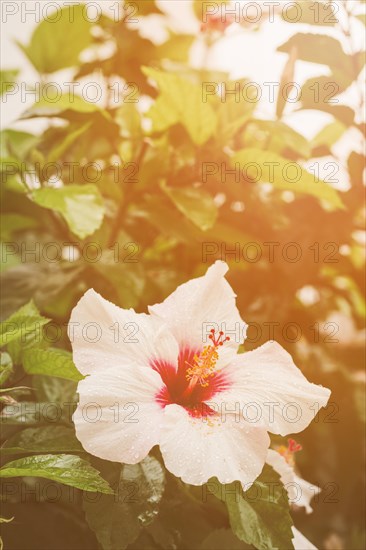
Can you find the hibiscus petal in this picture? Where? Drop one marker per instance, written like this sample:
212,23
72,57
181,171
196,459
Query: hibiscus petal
300,492
269,390
199,305
101,333
117,417
195,449
300,542
307,491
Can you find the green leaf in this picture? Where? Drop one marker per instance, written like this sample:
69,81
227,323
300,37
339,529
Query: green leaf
11,223
277,136
287,78
180,101
50,362
80,205
30,335
222,538
46,439
194,203
55,390
358,60
321,92
118,521
318,48
7,263
129,120
312,13
233,114
356,166
343,113
353,293
58,40
14,143
177,47
132,275
64,104
69,139
67,469
7,79
329,135
171,528
257,165
25,325
24,413
261,515
6,367
7,163
16,389
160,213
145,7
28,413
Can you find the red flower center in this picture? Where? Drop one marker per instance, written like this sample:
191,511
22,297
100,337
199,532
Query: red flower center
195,381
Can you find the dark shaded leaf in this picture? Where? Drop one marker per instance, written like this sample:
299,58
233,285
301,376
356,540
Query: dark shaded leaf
261,515
47,439
118,521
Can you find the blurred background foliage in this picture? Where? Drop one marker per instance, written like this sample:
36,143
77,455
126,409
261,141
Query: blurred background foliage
158,222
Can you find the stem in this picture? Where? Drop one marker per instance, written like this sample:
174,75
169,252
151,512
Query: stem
123,205
206,56
109,94
24,182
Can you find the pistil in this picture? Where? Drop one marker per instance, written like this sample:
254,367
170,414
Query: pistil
289,451
204,363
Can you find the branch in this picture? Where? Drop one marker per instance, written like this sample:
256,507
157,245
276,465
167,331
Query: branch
123,205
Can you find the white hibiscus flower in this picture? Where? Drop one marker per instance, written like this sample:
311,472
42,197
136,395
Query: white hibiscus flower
169,385
300,492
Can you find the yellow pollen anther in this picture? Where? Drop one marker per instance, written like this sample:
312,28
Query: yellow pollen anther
205,363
